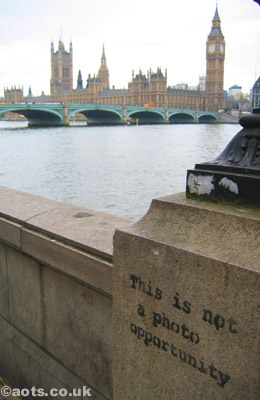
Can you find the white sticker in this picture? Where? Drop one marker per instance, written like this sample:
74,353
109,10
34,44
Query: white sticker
228,184
200,184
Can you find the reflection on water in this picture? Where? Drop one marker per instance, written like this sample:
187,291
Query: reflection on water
117,170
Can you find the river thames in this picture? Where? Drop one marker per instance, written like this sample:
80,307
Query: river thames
117,170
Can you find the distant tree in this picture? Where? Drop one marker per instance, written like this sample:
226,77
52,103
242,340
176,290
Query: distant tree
242,103
229,104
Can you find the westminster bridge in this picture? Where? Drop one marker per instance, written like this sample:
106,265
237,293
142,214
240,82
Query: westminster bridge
53,114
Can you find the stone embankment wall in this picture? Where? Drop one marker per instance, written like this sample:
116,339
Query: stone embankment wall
226,118
186,284
55,294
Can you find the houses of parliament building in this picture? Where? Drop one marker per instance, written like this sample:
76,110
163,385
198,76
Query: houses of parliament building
150,90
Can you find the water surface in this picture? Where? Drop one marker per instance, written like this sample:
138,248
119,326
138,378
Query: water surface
117,170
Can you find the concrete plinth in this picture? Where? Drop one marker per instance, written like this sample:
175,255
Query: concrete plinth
186,303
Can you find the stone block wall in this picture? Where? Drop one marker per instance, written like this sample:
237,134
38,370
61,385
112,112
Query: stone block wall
55,294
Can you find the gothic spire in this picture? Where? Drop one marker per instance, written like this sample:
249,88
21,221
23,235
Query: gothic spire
216,28
80,81
216,16
103,73
103,58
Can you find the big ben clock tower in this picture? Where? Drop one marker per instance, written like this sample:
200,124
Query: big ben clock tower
215,66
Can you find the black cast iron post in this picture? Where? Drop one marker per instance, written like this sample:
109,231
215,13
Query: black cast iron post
235,174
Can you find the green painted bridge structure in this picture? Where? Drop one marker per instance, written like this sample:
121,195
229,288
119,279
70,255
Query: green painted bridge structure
53,114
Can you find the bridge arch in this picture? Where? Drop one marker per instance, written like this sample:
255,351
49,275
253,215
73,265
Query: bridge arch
146,116
207,118
181,117
98,115
36,116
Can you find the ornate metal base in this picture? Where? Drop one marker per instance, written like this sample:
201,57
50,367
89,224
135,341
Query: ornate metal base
235,174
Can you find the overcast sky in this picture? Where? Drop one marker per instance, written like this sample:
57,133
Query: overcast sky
138,34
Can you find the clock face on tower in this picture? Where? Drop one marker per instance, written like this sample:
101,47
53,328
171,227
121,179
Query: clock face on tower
211,48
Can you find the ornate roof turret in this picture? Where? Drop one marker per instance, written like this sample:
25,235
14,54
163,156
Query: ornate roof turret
80,81
103,73
61,45
216,29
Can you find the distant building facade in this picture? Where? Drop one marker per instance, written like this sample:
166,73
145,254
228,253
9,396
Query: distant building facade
256,94
61,69
235,91
13,95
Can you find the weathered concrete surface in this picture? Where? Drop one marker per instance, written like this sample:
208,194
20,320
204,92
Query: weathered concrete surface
34,367
55,294
77,226
2,397
186,303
